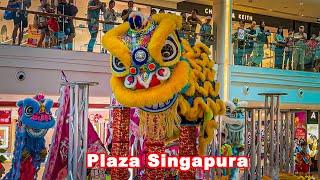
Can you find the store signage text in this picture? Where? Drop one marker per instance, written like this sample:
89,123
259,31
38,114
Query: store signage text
240,16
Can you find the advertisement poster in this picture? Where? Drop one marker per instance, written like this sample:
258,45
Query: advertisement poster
312,139
5,117
301,126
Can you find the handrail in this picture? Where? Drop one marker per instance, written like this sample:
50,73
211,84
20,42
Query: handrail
83,19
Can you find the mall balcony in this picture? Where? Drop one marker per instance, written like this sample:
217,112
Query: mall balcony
27,69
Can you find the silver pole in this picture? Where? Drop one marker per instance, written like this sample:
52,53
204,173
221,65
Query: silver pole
266,139
246,147
259,146
253,146
71,132
277,154
85,130
287,140
272,149
75,123
292,142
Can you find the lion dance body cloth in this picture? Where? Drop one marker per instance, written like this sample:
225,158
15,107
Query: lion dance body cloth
35,119
170,82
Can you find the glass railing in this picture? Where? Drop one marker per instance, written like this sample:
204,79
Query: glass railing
49,30
74,34
300,56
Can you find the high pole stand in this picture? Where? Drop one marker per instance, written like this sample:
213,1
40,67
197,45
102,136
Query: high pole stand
78,129
272,134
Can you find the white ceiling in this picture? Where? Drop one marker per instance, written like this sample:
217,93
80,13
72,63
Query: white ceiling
307,10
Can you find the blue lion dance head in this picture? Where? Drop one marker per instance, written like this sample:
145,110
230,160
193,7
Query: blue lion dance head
35,114
35,118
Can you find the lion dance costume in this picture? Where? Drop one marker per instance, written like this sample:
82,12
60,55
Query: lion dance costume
170,82
35,119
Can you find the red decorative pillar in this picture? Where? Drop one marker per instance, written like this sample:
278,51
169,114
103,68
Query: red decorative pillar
120,139
188,147
156,147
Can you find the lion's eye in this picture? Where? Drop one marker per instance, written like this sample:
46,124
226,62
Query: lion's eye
117,65
170,50
28,111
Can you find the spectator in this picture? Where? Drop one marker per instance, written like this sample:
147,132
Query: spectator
299,52
125,13
262,39
66,23
20,20
239,39
252,34
185,30
205,31
110,16
310,53
193,21
94,7
288,49
41,23
279,49
317,56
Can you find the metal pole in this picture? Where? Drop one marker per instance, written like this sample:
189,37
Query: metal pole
287,140
292,142
266,139
85,129
272,138
246,147
71,132
259,146
277,154
224,44
253,146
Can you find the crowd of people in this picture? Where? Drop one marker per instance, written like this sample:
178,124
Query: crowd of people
59,31
294,51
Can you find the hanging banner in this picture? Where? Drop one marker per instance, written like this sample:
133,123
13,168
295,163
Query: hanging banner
301,125
5,116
